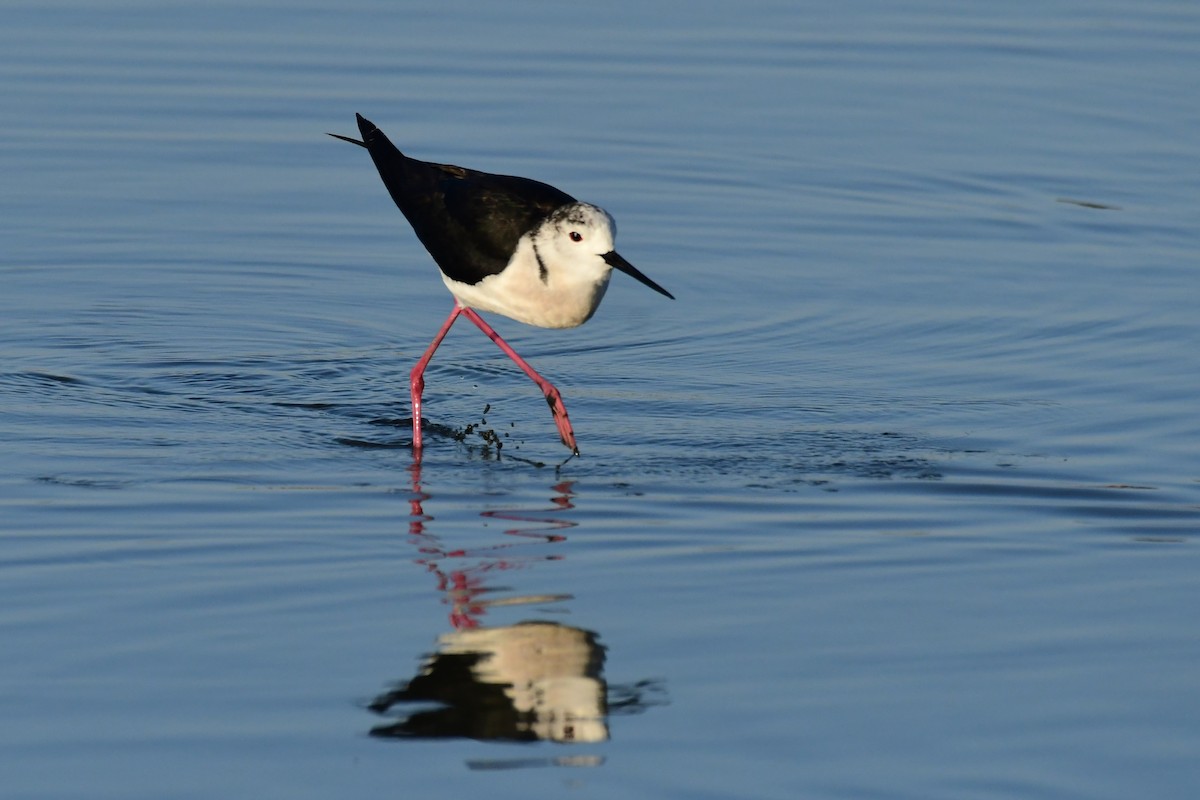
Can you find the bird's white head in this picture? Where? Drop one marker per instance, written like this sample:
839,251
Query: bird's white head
575,239
575,244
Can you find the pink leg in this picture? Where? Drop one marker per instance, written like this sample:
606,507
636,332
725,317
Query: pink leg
416,382
553,398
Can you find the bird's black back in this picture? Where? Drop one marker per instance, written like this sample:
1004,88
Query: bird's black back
469,221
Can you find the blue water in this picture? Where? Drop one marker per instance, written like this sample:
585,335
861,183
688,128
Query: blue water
899,498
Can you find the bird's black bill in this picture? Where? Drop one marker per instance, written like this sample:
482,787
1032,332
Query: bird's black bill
616,261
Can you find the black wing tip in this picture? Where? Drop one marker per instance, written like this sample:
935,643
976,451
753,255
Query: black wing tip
365,127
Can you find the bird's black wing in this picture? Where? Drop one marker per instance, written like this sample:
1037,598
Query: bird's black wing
469,221
493,212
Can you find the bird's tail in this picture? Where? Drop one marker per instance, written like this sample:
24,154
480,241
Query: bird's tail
348,139
366,128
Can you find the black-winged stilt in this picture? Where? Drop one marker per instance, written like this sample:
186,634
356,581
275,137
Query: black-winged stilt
511,245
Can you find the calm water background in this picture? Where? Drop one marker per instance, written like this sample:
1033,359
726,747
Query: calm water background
900,498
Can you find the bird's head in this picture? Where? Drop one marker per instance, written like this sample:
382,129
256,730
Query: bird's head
581,237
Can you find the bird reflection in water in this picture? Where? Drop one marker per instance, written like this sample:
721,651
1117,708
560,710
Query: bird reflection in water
533,681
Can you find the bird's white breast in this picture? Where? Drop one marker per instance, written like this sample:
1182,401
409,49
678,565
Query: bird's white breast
549,294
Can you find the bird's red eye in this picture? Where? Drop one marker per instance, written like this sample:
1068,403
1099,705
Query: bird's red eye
576,236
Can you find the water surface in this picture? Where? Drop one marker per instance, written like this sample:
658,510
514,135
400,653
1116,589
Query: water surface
898,498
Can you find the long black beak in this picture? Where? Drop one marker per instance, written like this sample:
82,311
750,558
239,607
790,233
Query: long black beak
615,260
